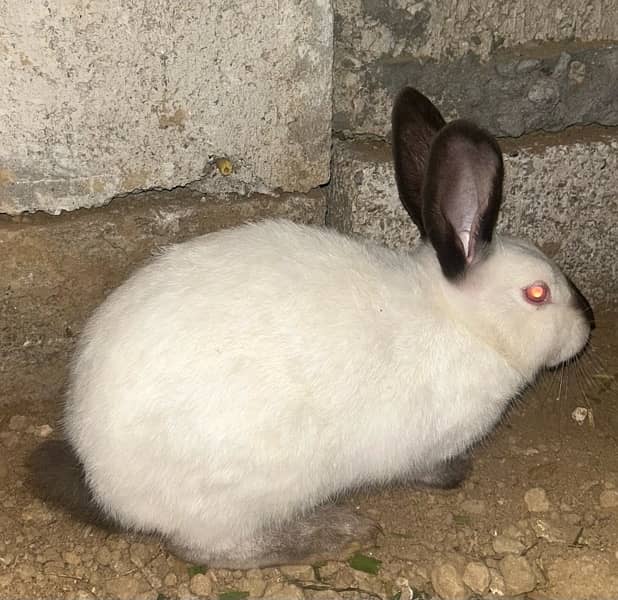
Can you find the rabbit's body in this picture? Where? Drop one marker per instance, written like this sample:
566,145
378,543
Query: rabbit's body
260,343
243,378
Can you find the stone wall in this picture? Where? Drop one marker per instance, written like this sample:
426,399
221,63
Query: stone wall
521,69
516,67
113,96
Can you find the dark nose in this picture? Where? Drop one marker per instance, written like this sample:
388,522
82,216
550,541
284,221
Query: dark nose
580,302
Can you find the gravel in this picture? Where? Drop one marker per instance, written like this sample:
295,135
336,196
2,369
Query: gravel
609,499
497,535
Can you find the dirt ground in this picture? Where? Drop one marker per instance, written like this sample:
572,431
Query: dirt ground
538,517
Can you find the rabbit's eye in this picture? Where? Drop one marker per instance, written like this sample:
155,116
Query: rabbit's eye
537,293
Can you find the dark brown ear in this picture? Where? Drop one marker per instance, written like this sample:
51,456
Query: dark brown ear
416,121
462,194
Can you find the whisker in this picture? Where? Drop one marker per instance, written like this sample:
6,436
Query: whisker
560,405
595,355
586,370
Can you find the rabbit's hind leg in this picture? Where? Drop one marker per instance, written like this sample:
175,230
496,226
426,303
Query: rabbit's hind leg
327,532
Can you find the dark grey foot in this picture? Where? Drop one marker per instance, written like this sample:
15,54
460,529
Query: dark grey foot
445,475
327,533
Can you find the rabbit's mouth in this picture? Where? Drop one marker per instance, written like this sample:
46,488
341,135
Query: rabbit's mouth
573,357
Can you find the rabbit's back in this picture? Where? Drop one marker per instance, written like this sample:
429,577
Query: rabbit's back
235,356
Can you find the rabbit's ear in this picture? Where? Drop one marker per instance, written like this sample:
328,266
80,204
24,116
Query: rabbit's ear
416,121
462,194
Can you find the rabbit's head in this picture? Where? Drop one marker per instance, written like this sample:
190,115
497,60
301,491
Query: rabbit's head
506,290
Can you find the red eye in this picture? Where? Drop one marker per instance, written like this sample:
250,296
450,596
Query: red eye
537,293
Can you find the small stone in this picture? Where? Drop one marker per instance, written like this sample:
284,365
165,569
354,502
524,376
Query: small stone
579,415
474,507
527,65
184,593
103,556
6,559
609,499
142,554
116,542
477,577
447,582
10,438
514,532
44,431
543,93
71,558
26,572
518,574
49,555
80,595
37,512
329,569
18,423
503,544
301,572
255,585
53,568
124,588
283,591
497,586
577,72
323,595
536,500
171,580
405,590
550,530
201,584
6,579
336,575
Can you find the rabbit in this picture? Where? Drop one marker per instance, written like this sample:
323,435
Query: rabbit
229,390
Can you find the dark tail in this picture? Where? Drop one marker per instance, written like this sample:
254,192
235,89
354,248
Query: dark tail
57,476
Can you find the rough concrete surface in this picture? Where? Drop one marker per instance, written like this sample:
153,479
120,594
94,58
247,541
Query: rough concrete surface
103,98
55,270
561,191
514,92
367,30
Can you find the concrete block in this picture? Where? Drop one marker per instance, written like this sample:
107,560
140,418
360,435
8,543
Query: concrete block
369,30
55,270
514,66
513,93
103,98
561,192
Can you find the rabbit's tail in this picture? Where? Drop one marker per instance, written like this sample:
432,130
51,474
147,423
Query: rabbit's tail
57,476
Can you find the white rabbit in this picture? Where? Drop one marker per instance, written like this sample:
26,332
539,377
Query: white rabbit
230,388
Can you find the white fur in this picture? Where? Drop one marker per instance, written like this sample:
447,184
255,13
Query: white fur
246,376
252,373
